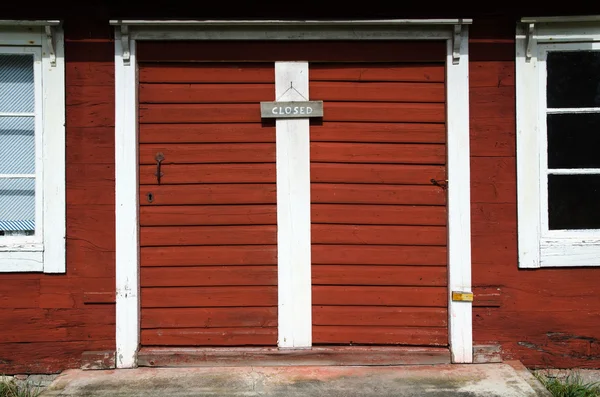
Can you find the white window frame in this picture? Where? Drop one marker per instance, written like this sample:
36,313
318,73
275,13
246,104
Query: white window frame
539,246
45,250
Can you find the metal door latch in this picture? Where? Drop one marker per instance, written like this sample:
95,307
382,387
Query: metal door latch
442,183
159,159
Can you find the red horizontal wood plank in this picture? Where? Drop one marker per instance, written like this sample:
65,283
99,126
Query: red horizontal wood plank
208,215
68,293
380,316
493,218
238,296
206,73
206,133
153,236
90,106
378,235
206,93
18,292
209,317
378,92
208,194
210,337
363,214
435,276
487,296
329,193
332,51
378,255
46,325
84,259
492,74
491,254
92,223
492,102
373,112
209,173
421,336
90,184
48,357
208,153
493,137
199,113
209,255
99,297
493,180
90,146
378,72
413,174
510,325
396,153
90,73
327,295
208,276
378,132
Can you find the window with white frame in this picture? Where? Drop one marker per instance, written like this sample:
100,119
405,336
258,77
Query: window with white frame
558,141
32,147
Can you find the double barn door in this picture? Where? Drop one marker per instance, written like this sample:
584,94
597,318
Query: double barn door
208,193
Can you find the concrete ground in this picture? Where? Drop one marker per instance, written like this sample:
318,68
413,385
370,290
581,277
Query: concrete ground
490,380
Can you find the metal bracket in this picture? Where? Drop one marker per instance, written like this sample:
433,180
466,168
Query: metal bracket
50,37
125,44
529,41
456,42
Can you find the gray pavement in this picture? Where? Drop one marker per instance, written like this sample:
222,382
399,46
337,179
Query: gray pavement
490,380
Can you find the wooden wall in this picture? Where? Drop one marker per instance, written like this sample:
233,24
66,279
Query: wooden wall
543,317
47,321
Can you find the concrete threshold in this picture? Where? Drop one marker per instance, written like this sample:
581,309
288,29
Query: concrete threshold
472,380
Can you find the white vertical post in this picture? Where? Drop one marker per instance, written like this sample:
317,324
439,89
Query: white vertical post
54,213
293,211
528,89
126,197
459,201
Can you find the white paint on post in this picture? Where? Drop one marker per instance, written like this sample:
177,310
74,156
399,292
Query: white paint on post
54,176
293,211
459,202
528,166
126,197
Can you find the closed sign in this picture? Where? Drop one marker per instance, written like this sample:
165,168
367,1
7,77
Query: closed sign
283,110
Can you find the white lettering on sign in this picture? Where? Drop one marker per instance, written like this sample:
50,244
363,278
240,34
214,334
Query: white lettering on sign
279,110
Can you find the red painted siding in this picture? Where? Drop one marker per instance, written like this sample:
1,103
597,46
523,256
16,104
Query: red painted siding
381,141
48,321
543,317
209,237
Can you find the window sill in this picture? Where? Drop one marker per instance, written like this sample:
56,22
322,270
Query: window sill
569,252
22,261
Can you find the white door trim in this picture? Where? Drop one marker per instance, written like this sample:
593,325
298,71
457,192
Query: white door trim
126,141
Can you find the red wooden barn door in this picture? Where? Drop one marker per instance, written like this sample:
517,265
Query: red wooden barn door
208,227
378,222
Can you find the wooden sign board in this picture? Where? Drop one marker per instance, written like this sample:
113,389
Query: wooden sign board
291,110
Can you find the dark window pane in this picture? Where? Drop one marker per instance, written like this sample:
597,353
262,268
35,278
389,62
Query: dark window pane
574,140
573,79
573,202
